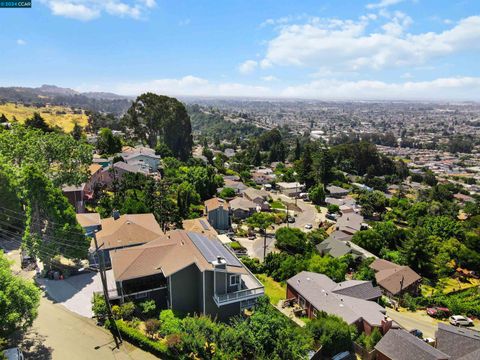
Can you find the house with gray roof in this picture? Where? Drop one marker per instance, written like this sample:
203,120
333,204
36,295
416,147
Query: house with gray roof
339,244
350,223
459,343
401,345
353,300
337,191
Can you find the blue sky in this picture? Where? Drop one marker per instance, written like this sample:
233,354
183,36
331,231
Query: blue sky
349,49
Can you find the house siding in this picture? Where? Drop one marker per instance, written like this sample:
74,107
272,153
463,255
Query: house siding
185,287
222,313
219,218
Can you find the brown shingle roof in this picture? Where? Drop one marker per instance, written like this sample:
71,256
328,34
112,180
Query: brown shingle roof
88,219
128,230
215,203
93,168
392,277
200,225
168,254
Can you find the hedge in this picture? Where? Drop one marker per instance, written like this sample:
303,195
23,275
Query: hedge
140,340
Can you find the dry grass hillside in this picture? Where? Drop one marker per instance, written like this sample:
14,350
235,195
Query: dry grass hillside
63,117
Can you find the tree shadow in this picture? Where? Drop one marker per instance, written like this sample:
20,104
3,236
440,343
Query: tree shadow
33,346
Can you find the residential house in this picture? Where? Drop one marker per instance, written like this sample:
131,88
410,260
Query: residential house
218,213
350,223
261,178
94,180
459,343
259,197
76,196
354,301
90,222
126,231
142,156
462,198
395,280
242,208
336,247
236,185
336,191
187,272
116,172
292,189
201,226
399,344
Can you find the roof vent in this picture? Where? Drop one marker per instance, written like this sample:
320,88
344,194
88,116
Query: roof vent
308,278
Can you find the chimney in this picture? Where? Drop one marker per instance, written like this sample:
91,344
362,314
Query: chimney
116,214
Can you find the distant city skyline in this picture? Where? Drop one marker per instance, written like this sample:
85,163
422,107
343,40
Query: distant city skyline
327,50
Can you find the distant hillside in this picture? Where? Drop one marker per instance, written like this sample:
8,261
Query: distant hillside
61,116
54,95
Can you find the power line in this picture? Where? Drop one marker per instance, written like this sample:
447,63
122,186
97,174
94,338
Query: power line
56,240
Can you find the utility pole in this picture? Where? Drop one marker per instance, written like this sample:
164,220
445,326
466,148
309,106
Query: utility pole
116,333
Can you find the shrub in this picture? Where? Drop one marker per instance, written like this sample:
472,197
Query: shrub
127,310
99,306
152,326
148,307
117,312
135,337
169,323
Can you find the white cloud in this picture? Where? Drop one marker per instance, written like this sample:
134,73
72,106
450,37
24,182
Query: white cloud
73,11
248,66
383,4
269,78
86,10
21,42
347,45
456,88
453,88
192,85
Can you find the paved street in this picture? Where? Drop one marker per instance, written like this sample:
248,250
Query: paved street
307,215
58,333
417,320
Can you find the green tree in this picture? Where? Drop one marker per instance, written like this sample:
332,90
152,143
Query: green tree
227,193
334,268
51,226
19,300
37,122
107,143
77,132
334,334
369,240
186,196
153,117
317,194
292,240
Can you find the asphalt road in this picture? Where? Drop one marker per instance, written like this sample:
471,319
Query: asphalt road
418,320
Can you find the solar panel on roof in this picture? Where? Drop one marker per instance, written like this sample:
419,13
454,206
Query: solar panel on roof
204,225
211,249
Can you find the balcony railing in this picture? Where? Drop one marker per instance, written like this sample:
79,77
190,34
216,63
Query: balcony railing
223,299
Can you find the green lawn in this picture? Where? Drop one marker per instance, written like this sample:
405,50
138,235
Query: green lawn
277,205
275,290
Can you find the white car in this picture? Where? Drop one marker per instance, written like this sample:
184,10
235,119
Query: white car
13,354
308,226
459,320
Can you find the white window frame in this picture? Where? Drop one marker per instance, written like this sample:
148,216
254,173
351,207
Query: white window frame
301,300
237,280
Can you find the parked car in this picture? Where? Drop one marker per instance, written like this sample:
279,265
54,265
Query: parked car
459,320
13,354
331,217
417,333
27,261
438,312
291,220
308,226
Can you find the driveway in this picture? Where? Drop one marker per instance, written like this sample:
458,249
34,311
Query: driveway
58,333
76,292
255,247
